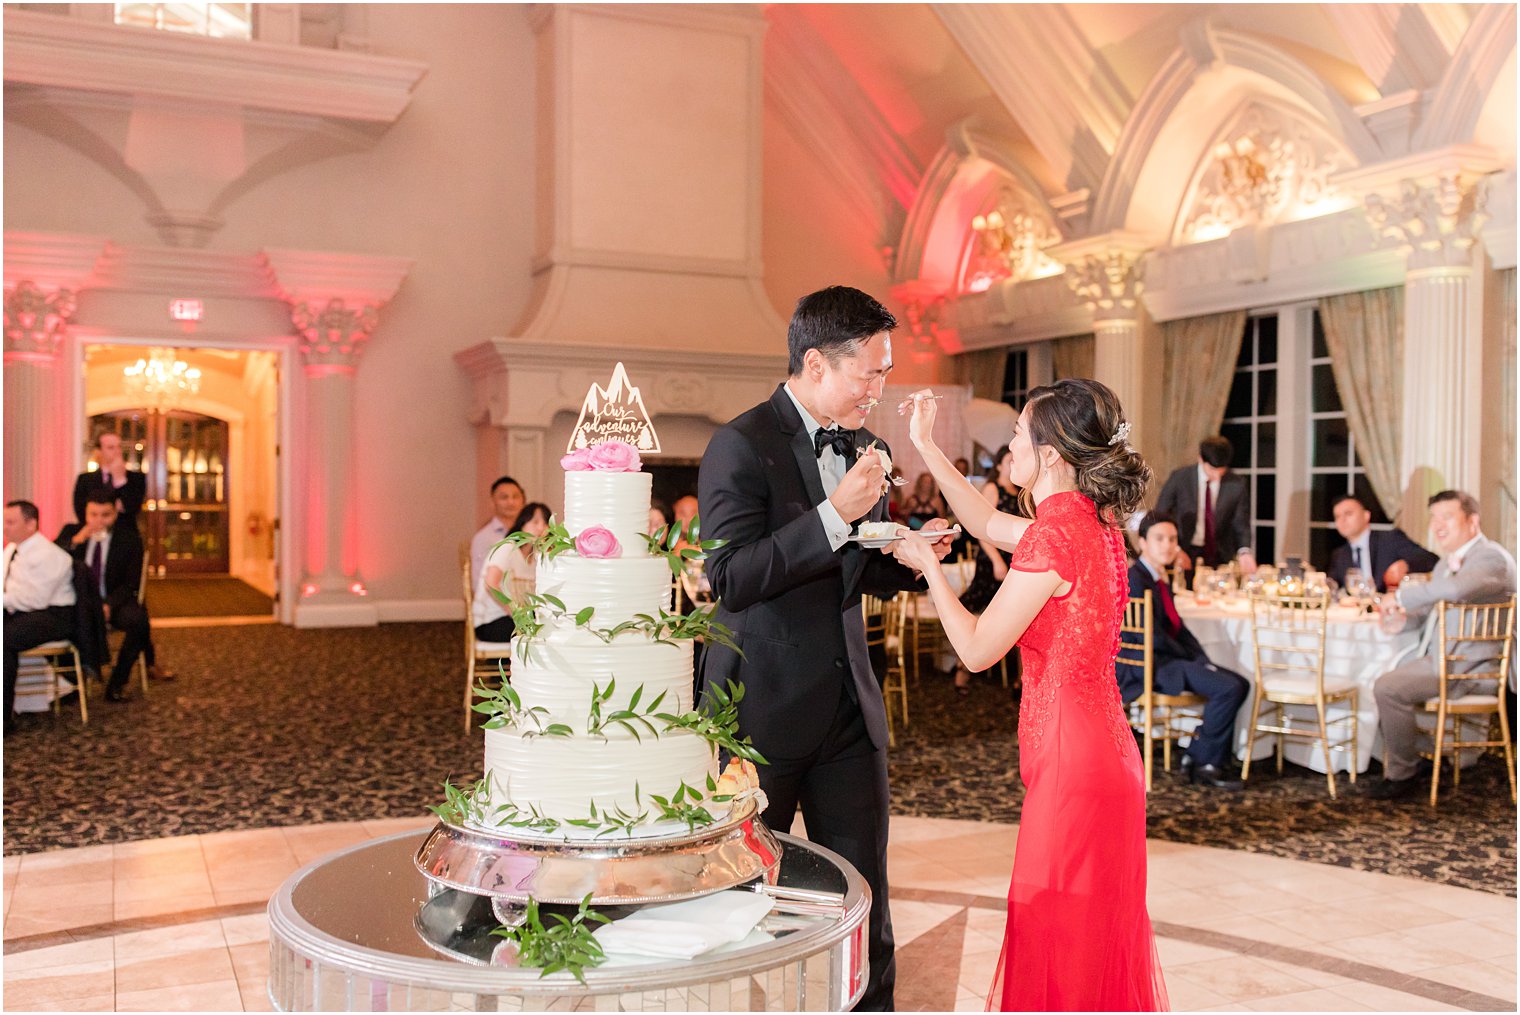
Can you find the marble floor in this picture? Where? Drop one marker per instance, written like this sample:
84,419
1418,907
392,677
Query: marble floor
179,925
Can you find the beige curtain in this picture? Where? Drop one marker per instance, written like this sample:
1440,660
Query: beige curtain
1365,334
983,370
1199,369
1076,356
1504,527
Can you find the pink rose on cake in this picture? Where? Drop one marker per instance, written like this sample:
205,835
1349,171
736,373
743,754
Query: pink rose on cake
597,543
615,456
577,461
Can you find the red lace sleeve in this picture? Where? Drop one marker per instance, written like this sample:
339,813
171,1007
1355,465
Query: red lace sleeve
1042,548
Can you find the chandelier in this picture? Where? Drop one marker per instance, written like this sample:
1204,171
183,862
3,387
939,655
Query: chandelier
161,380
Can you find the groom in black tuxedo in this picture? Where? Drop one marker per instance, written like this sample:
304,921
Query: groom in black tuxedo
784,485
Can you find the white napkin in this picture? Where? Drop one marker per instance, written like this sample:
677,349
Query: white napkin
684,930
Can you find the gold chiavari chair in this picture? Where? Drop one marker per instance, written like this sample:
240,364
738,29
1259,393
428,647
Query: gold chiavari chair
1288,635
886,621
478,652
1465,629
1152,709
53,654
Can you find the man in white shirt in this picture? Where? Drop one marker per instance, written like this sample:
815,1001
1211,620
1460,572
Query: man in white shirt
39,593
1473,569
507,502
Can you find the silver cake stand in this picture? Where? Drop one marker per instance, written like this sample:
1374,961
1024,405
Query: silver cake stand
363,930
509,868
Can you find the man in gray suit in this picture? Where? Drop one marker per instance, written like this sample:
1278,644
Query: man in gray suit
1473,569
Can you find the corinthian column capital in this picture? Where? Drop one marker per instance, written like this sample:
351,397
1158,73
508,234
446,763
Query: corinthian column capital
35,320
1436,222
332,337
1109,284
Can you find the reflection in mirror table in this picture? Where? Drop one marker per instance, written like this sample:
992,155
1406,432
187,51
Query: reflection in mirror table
362,930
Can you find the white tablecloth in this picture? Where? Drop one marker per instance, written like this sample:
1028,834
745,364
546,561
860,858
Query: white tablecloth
1355,647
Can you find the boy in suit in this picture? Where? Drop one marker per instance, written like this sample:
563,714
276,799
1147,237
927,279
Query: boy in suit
1179,662
1385,557
1209,506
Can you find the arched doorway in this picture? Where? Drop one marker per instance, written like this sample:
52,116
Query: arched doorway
184,456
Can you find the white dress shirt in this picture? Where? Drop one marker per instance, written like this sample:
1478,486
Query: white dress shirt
1212,486
514,567
1362,545
831,469
491,533
105,554
38,574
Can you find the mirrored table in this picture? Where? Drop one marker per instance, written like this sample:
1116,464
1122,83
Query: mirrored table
363,930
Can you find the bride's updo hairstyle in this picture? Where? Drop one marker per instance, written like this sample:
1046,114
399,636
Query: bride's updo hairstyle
1081,419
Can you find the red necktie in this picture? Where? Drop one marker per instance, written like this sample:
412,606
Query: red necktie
1209,543
1173,618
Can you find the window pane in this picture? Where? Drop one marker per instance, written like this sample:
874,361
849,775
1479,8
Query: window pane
1239,436
1323,489
1363,490
1240,397
1322,543
1266,339
1266,496
1266,544
1321,349
1266,445
1266,393
1327,398
1247,345
1331,442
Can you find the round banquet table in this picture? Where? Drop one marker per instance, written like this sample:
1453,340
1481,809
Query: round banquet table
363,930
1356,647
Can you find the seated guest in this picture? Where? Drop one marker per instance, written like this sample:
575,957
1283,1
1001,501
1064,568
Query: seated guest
1473,570
38,596
1210,506
924,503
507,567
1179,663
128,488
507,500
659,516
685,510
1384,557
111,549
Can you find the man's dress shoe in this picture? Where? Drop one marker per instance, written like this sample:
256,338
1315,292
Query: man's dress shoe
1209,775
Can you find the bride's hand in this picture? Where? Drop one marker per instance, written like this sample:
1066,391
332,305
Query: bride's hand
915,551
922,405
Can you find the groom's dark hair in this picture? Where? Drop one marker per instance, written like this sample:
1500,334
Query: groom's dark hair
834,321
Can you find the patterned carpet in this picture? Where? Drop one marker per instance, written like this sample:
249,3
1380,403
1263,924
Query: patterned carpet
271,725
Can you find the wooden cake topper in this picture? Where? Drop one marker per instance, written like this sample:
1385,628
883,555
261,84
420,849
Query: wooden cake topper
614,413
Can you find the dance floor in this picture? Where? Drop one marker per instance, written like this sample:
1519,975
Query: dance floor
178,924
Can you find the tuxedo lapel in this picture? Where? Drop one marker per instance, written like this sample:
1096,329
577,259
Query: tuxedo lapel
796,435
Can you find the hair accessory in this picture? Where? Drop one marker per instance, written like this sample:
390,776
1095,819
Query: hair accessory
1121,434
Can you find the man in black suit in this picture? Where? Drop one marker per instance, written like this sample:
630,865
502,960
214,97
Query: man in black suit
1223,524
783,483
1179,663
1385,557
127,488
112,552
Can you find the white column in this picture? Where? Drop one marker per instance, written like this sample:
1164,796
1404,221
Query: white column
332,590
37,457
1436,223
1110,285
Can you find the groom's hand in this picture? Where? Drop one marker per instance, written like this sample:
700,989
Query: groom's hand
860,489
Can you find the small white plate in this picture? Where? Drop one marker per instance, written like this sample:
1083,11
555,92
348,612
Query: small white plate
880,541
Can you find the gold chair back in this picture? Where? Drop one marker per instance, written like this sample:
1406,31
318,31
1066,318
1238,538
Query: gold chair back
886,630
1288,636
473,654
1475,645
1151,708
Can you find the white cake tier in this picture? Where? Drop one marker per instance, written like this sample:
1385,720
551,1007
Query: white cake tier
562,776
559,672
618,589
618,501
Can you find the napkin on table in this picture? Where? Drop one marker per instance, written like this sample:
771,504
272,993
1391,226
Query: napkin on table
684,930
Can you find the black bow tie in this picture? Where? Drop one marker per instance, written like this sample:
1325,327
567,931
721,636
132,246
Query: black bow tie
843,442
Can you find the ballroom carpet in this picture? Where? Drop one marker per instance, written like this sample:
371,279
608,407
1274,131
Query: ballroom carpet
211,596
270,725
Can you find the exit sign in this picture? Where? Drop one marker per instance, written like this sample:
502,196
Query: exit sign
186,310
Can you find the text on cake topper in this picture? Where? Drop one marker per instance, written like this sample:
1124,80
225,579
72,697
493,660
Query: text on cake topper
614,413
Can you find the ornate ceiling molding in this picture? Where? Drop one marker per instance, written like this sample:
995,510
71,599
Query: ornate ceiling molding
311,277
1452,114
52,260
1399,46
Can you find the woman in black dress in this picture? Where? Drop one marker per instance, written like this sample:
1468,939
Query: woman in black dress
991,565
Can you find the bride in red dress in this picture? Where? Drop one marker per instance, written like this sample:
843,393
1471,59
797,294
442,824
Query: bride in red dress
1078,935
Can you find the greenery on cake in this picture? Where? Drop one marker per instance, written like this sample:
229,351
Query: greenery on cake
562,945
628,718
716,720
665,544
504,708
